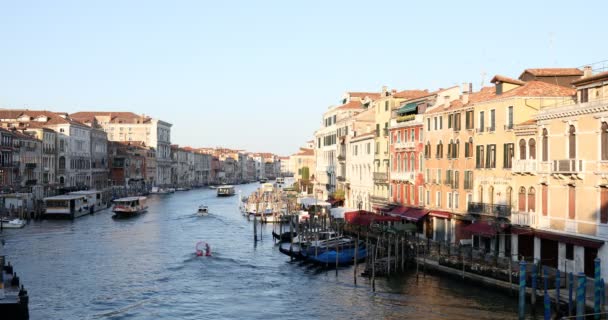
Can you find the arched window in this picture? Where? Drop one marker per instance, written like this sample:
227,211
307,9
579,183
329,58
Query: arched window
509,198
62,162
521,200
468,148
491,195
522,149
419,162
439,150
61,180
399,162
456,148
545,145
572,142
412,162
480,194
531,200
604,142
532,148
404,162
450,149
427,150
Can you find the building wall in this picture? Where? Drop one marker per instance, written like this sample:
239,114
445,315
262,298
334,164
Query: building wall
359,171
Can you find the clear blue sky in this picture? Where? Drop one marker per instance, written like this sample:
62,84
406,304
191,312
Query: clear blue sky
258,74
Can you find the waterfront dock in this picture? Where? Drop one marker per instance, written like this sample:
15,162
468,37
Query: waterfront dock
14,298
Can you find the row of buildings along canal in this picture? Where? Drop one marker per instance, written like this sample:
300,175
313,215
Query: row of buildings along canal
44,153
517,170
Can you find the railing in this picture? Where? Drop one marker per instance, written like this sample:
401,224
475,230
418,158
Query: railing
490,129
403,176
526,165
526,219
567,166
497,210
380,176
479,130
406,145
30,165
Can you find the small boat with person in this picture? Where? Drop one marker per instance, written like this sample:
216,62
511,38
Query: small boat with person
203,210
225,191
129,207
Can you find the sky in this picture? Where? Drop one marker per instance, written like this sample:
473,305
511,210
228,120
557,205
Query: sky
258,75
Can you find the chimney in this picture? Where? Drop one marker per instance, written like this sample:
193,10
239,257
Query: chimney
465,88
587,71
384,91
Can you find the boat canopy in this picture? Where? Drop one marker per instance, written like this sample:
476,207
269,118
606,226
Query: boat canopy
339,212
308,201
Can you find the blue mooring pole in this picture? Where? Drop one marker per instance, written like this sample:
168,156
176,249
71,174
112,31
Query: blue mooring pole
597,289
547,300
533,296
570,286
522,290
580,296
558,281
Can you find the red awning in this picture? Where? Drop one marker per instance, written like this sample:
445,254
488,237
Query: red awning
409,213
520,230
441,214
574,240
400,210
484,228
365,218
382,208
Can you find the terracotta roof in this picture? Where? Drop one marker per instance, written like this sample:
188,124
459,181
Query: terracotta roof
89,116
350,105
53,117
305,152
371,95
411,94
507,80
529,89
548,72
590,79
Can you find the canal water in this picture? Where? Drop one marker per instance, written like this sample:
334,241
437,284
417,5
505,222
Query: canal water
145,268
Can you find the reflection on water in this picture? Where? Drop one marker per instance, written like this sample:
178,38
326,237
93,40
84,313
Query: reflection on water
142,268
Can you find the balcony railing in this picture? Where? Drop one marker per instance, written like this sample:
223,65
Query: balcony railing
30,165
380,176
524,166
526,219
403,176
567,166
341,178
496,210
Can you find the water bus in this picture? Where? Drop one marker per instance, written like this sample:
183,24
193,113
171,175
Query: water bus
66,206
225,191
129,207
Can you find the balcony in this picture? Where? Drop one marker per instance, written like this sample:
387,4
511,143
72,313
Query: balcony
567,166
341,178
527,166
380,177
403,176
30,165
341,157
378,199
495,210
406,145
525,219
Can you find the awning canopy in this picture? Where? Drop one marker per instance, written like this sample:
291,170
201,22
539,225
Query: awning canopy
441,214
409,213
484,228
569,239
312,202
365,218
383,208
408,108
339,212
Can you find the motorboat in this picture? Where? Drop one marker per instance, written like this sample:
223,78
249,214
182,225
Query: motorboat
12,223
157,190
129,207
203,210
183,189
225,191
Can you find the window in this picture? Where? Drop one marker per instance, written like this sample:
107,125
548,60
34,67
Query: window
377,131
522,149
428,197
509,118
604,141
420,196
411,194
584,95
413,134
427,150
449,200
398,164
481,121
479,158
469,119
440,122
569,251
532,149
412,162
439,153
469,198
439,176
491,156
399,134
545,145
531,200
492,120
571,143
571,202
456,200
603,205
480,194
468,148
449,154
456,123
456,149
438,199
508,155
448,177
456,183
435,121
386,105
369,147
450,117
468,180
544,200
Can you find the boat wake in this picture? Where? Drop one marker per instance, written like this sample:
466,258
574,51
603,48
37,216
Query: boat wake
122,310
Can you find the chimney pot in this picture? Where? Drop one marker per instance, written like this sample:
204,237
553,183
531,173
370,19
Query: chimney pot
587,71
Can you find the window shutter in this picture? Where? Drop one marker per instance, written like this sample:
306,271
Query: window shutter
522,200
545,196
